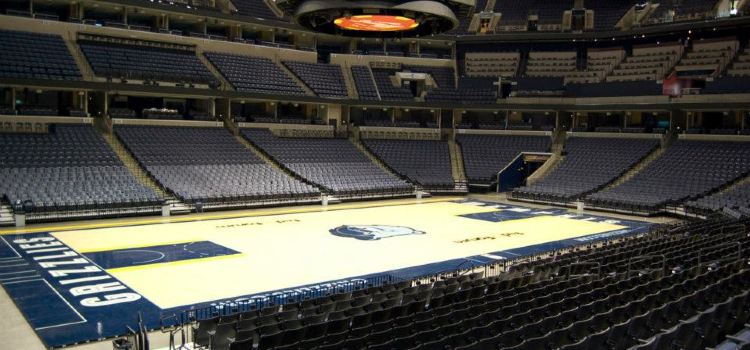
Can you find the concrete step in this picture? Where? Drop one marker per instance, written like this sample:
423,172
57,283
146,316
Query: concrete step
457,162
547,168
333,199
270,161
133,165
351,86
735,184
6,216
177,207
361,147
298,80
83,65
225,85
654,155
374,83
180,209
461,187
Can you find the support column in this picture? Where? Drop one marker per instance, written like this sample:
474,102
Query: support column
202,26
687,125
105,104
332,111
102,119
80,100
457,117
76,10
85,106
346,117
741,114
162,22
737,116
235,32
310,112
13,98
223,108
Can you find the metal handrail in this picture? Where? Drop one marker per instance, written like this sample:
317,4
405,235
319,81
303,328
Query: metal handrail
645,257
727,244
585,263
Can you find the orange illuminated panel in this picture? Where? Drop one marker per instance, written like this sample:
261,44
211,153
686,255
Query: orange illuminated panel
376,23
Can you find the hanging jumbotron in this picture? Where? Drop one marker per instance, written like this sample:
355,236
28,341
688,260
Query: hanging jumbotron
373,18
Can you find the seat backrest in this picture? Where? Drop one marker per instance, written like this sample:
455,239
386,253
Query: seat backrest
246,344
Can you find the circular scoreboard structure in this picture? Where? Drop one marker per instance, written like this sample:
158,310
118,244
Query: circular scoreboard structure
377,18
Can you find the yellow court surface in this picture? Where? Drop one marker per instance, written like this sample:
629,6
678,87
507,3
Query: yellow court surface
187,263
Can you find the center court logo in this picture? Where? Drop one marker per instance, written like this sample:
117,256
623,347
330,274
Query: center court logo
373,232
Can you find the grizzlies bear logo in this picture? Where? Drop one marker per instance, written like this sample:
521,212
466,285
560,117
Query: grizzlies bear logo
373,232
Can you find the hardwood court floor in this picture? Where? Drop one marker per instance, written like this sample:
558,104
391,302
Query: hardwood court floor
191,261
284,251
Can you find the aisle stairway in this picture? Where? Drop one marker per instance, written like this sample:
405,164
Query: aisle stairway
308,91
6,216
268,160
83,65
351,86
133,165
225,85
547,168
175,206
457,167
361,147
654,155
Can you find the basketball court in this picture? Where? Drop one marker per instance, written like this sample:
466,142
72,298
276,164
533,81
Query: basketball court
74,285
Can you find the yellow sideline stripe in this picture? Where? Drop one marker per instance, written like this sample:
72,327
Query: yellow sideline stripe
281,211
174,263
